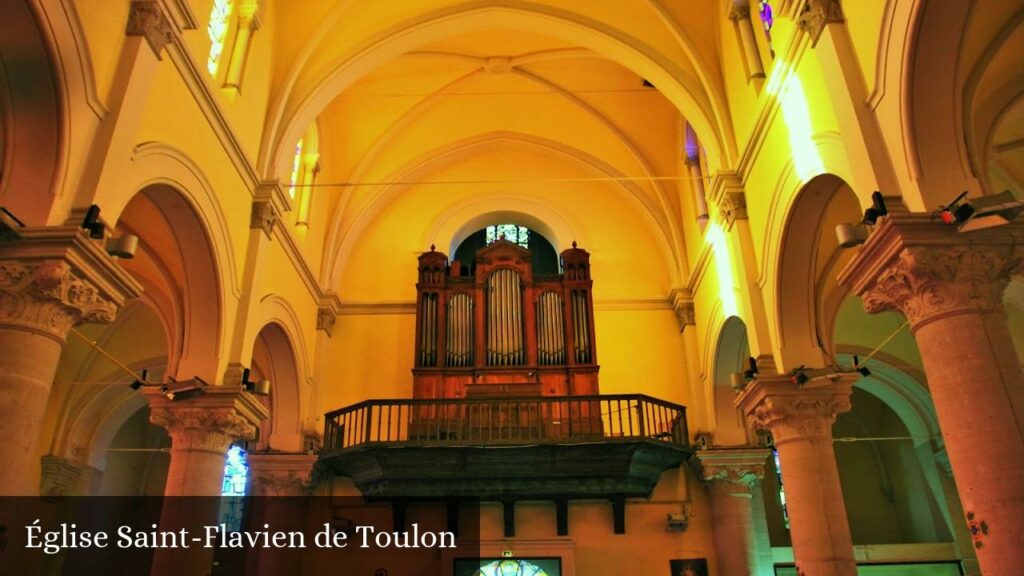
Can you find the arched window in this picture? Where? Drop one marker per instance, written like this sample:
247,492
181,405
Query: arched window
233,489
511,232
220,16
296,168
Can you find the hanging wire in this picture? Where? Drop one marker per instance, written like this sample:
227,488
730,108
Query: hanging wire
346,184
95,345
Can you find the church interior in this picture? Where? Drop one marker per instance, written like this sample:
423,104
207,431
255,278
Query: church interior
680,287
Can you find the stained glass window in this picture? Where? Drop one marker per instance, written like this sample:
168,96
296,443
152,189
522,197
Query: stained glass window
510,568
767,18
511,232
782,491
296,168
236,480
218,32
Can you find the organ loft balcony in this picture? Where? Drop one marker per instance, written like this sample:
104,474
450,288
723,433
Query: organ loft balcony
506,403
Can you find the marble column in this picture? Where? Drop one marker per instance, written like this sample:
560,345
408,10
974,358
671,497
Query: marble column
51,279
202,428
950,287
800,418
731,475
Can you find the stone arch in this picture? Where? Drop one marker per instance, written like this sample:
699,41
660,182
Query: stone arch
279,354
806,296
730,357
177,264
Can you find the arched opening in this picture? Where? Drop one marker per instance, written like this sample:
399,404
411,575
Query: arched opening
175,264
807,297
137,458
731,359
31,154
273,359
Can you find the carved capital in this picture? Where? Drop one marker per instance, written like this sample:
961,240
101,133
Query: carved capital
926,283
739,10
50,297
212,420
325,319
794,412
927,270
732,205
816,15
146,18
738,469
264,216
64,477
281,474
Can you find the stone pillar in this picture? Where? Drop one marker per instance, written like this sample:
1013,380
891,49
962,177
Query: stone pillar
280,483
950,287
51,279
739,13
731,476
66,477
800,418
202,427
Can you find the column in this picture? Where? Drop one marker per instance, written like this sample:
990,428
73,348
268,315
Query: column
202,427
700,199
731,476
800,418
67,477
248,23
739,13
950,287
281,484
51,279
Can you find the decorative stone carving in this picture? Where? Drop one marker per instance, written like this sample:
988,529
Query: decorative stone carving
793,412
685,314
64,477
498,65
264,216
48,296
325,319
816,15
739,11
742,467
197,427
146,18
925,283
732,206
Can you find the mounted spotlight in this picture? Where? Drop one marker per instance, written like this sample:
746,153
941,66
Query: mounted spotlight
183,390
990,211
799,375
124,246
739,382
261,388
92,223
860,368
751,372
850,235
877,209
140,382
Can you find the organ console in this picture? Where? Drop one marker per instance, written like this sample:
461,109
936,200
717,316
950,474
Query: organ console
504,331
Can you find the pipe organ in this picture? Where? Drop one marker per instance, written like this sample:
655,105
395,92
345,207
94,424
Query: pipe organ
504,331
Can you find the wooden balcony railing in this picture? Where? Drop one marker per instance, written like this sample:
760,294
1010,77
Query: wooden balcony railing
506,421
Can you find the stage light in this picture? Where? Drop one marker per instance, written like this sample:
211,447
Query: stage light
863,370
877,209
123,246
92,223
261,388
850,235
751,371
140,382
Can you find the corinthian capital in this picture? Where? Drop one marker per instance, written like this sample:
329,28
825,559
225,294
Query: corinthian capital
927,270
212,420
927,282
146,18
735,466
794,412
54,278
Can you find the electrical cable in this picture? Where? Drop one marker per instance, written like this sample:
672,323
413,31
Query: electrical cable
107,355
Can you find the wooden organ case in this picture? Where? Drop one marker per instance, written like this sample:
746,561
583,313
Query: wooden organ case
504,331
